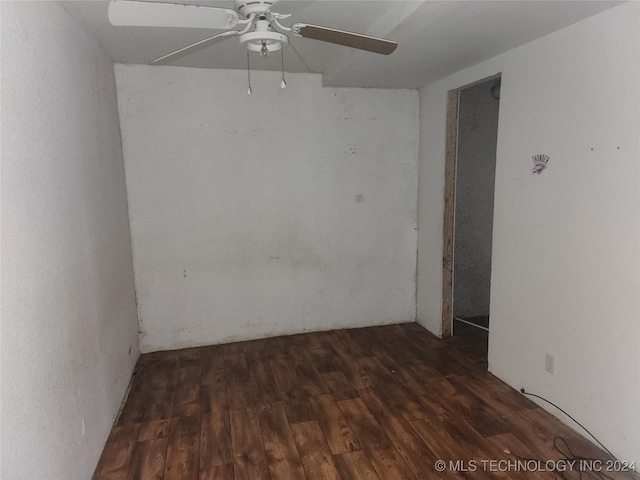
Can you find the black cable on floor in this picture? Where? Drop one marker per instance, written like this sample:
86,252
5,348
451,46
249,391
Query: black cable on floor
585,465
576,421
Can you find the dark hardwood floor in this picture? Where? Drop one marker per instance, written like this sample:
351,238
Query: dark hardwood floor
375,403
471,342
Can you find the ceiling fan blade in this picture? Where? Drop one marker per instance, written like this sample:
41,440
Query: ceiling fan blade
194,47
347,39
154,14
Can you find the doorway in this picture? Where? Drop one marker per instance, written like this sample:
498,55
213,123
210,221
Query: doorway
472,127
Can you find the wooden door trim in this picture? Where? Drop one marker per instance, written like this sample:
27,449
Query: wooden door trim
451,151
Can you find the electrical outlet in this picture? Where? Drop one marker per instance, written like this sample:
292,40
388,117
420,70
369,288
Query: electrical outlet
549,363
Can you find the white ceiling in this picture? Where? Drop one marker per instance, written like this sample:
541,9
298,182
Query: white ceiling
436,38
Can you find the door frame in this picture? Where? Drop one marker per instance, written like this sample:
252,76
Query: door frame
449,209
448,222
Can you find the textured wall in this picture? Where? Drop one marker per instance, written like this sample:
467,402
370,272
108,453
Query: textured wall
281,212
475,178
68,307
565,267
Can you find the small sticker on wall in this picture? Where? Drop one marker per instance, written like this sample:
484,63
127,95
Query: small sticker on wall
539,163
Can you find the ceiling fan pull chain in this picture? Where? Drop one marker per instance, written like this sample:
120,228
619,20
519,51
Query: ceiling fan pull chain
248,74
283,84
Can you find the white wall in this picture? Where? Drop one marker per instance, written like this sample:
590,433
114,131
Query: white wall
565,271
68,306
244,214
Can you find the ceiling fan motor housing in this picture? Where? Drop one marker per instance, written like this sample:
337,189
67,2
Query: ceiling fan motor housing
247,7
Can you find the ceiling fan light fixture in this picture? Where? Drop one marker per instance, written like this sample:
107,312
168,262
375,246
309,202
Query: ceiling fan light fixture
264,42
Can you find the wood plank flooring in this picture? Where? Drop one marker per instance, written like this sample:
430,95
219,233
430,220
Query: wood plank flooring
375,403
471,342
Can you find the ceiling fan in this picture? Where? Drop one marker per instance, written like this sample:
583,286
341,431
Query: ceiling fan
258,27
